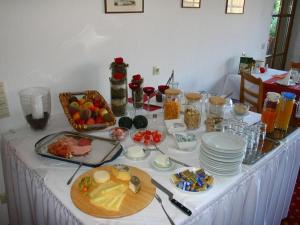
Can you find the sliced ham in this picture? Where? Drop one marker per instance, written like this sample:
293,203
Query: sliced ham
80,150
68,146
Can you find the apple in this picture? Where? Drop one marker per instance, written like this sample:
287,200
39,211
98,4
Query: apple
262,70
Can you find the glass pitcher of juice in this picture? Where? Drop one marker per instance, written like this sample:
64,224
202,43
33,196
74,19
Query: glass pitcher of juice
268,115
284,112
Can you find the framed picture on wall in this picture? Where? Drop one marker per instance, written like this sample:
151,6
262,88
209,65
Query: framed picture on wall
124,6
235,6
190,3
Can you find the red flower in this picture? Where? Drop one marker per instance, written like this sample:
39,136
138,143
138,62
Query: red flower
119,60
136,77
133,86
118,76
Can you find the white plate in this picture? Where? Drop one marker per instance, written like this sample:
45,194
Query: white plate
147,153
191,169
215,171
219,165
291,83
172,166
225,155
221,158
223,141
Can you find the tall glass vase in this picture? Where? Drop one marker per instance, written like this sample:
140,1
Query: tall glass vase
119,95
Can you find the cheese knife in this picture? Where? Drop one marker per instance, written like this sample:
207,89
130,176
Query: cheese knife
170,194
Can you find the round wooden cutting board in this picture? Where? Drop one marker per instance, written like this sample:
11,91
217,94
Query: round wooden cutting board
131,204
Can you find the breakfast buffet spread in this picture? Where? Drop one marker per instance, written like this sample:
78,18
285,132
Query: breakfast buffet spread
119,190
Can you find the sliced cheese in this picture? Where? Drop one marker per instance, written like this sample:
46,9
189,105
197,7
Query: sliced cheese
102,187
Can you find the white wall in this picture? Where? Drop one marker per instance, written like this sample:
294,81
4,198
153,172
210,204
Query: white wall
294,47
68,45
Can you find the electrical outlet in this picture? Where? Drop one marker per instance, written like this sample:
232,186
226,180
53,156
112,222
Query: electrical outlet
155,70
3,198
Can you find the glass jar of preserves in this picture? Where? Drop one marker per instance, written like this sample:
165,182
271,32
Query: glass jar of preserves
172,104
268,115
192,112
216,107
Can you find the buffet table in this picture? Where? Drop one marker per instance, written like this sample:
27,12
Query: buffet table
38,193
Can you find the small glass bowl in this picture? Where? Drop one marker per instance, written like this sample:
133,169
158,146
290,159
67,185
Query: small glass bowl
241,109
119,133
147,136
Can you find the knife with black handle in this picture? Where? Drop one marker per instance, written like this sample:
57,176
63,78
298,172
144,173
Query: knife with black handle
174,201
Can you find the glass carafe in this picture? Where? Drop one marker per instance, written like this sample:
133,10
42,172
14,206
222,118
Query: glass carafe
284,112
269,111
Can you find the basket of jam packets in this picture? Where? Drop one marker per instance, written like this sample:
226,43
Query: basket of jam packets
192,180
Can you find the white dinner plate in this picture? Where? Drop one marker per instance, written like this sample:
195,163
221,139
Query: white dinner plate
223,141
220,165
219,157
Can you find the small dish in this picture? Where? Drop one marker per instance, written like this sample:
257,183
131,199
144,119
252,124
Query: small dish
147,137
118,133
240,109
203,180
176,125
185,141
136,153
171,166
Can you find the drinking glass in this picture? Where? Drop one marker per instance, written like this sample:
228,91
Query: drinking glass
148,91
134,87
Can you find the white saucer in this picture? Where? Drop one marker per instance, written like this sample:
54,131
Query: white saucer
157,167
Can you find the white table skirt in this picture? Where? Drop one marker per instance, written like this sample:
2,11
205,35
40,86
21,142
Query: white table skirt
38,194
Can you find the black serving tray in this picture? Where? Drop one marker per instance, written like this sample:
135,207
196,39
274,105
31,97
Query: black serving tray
103,149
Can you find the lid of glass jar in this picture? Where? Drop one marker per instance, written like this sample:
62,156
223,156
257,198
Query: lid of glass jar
288,95
273,96
193,96
172,91
217,100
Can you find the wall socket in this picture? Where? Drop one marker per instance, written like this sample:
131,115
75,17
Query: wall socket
3,198
155,70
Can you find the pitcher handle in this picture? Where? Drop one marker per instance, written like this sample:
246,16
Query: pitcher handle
297,114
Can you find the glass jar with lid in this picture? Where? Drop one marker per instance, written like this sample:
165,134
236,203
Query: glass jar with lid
172,104
192,112
216,107
268,115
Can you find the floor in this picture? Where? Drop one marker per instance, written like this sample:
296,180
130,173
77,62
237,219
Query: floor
294,211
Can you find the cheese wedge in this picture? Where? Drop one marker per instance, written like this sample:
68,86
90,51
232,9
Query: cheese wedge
101,176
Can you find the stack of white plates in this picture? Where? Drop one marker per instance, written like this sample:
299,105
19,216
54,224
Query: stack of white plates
222,153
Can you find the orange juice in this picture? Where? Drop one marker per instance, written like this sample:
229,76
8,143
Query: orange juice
268,117
284,112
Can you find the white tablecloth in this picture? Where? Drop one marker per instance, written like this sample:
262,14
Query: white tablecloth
38,194
233,81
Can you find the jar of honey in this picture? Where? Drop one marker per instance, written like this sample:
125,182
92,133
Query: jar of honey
172,104
283,115
268,115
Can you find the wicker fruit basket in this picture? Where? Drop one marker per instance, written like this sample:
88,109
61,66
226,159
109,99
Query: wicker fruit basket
87,110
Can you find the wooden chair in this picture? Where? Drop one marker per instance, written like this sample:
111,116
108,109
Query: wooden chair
295,65
249,95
